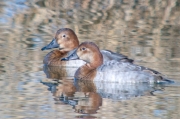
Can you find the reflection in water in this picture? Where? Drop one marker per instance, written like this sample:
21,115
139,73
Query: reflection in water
81,95
147,31
86,96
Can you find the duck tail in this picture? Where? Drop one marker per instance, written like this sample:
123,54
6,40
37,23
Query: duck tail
127,60
130,60
165,81
168,80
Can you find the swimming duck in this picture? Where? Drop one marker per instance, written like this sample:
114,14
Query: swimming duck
66,40
110,71
93,91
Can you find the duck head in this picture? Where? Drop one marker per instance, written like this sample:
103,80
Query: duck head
88,52
65,39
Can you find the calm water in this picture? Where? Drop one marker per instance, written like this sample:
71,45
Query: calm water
145,30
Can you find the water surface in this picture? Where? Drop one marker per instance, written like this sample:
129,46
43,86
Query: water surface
147,31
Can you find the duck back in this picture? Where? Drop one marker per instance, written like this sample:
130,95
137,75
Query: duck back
109,55
125,72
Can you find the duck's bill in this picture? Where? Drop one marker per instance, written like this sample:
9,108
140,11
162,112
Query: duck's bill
52,44
72,55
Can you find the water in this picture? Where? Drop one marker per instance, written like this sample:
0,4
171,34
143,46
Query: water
147,31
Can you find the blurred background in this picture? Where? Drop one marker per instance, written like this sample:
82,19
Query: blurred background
145,30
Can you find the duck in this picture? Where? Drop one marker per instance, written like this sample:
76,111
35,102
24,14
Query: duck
66,40
67,90
112,70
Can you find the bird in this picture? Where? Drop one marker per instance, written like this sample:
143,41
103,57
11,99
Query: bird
112,70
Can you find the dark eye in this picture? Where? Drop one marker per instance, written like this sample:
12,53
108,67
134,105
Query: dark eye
64,36
81,111
83,48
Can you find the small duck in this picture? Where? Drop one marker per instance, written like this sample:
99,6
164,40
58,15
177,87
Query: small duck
93,91
110,71
66,40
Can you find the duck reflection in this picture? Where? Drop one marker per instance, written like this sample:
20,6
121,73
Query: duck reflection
80,94
85,96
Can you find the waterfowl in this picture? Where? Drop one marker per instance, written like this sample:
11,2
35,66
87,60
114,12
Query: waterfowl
93,92
111,71
66,40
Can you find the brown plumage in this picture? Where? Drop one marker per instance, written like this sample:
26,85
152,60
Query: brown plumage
67,88
67,40
129,72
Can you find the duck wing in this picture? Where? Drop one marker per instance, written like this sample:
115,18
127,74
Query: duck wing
122,66
109,55
116,66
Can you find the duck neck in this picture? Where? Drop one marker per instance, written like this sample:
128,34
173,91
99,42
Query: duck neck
85,72
88,71
95,60
68,49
